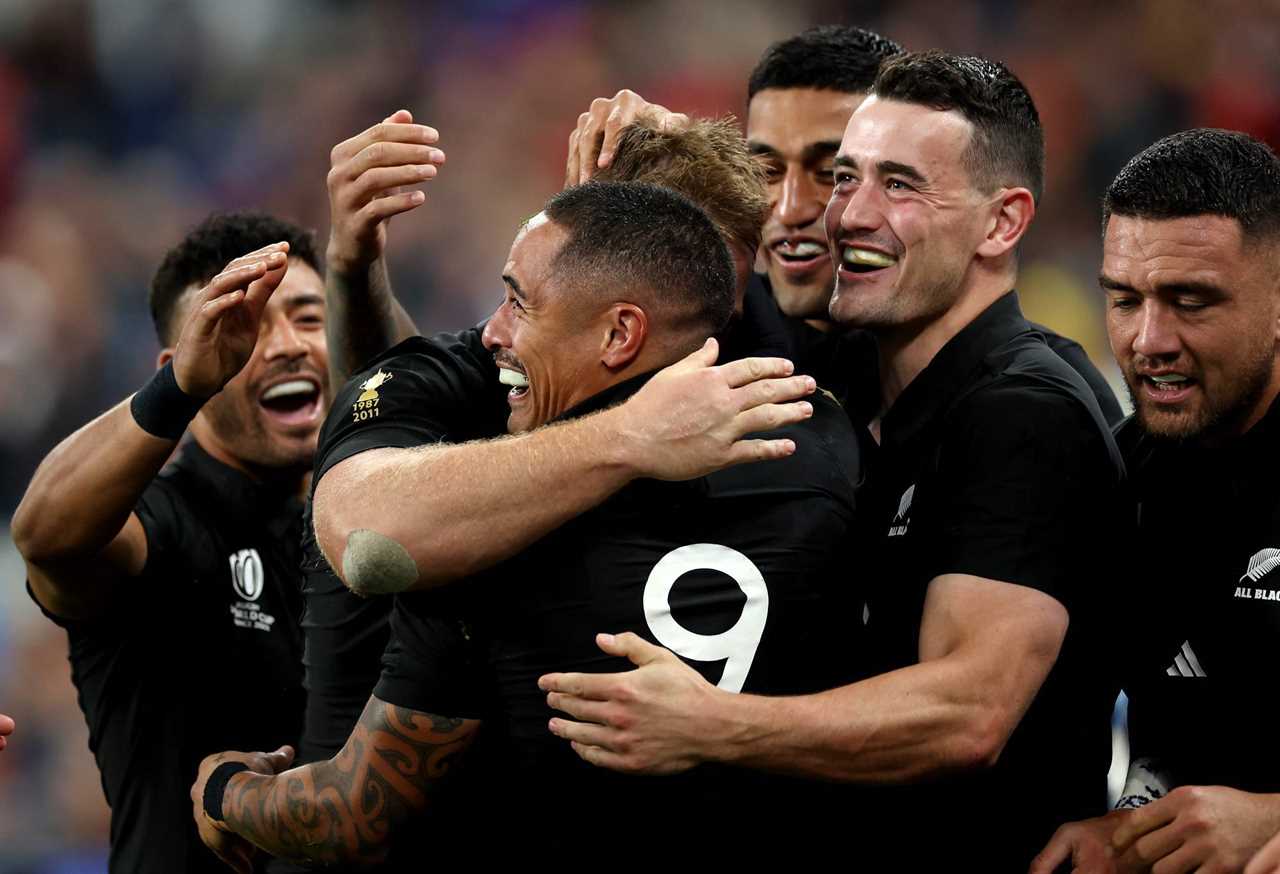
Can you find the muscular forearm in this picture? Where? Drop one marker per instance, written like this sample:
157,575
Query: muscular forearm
919,721
364,318
82,495
454,510
345,810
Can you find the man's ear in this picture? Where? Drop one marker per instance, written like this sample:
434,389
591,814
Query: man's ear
165,356
1013,214
626,329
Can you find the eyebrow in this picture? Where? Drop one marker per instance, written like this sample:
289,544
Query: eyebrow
1206,289
306,298
811,152
885,168
513,285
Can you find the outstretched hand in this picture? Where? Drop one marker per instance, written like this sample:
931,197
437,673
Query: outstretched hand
692,417
594,142
371,179
647,721
221,331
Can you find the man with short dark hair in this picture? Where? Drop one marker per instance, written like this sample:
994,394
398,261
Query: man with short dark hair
738,571
178,589
995,461
800,96
1191,244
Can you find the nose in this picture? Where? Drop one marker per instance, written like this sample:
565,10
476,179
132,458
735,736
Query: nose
497,330
282,340
800,201
861,209
1157,335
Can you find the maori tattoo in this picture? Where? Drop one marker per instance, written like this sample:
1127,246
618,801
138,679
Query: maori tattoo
344,810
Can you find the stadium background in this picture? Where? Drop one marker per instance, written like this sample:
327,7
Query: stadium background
123,122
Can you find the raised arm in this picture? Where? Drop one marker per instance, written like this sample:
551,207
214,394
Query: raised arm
594,141
367,186
396,519
346,809
985,649
75,526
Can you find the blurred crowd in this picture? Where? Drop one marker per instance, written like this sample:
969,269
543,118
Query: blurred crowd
123,122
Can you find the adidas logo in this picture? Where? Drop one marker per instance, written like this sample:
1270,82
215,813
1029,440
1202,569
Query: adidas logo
1185,663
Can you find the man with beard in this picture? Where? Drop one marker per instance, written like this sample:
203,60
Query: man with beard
800,96
995,459
178,589
1190,253
738,570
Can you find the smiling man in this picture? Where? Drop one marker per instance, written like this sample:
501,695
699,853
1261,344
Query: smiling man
1191,271
740,570
990,711
178,588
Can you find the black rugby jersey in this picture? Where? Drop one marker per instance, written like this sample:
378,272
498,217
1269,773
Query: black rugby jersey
199,654
1208,551
996,462
847,362
745,573
419,392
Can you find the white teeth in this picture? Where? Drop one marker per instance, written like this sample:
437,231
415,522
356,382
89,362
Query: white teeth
867,258
1168,378
512,377
292,387
807,249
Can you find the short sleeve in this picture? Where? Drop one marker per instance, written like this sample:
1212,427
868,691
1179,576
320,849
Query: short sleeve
1018,472
423,391
431,665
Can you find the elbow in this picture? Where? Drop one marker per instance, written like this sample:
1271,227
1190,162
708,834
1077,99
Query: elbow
981,743
33,541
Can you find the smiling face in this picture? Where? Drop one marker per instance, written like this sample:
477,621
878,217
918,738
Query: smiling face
1193,315
544,347
269,416
795,133
905,220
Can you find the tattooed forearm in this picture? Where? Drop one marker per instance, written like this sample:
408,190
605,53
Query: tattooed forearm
344,810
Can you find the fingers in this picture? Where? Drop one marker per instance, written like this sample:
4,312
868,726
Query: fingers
771,417
774,391
1267,861
631,646
6,725
384,132
584,732
705,356
747,451
595,687
579,708
597,756
1143,820
1054,854
1157,844
408,163
279,759
571,168
747,370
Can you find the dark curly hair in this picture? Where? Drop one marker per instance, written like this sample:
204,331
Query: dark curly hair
826,58
209,247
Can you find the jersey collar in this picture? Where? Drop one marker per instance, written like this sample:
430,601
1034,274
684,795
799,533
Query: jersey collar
236,495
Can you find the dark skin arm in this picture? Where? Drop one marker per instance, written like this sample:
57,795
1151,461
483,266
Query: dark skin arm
343,810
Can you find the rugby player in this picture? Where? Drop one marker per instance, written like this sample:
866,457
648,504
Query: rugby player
995,459
178,589
800,96
346,634
607,285
1191,247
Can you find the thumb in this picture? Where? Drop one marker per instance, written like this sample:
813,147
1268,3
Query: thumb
279,759
400,116
632,647
705,356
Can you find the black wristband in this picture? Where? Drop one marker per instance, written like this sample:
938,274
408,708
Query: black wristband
161,408
216,786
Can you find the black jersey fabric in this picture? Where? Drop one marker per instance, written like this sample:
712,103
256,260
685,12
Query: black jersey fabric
996,462
439,389
199,654
846,362
1209,541
744,573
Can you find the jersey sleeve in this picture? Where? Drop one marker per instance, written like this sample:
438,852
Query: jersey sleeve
1019,470
431,665
421,392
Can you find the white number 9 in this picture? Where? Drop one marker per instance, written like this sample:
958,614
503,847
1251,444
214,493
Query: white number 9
737,645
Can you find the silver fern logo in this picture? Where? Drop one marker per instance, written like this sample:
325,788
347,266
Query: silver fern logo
1261,564
900,522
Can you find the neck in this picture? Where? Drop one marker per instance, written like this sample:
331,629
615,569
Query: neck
906,350
295,480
